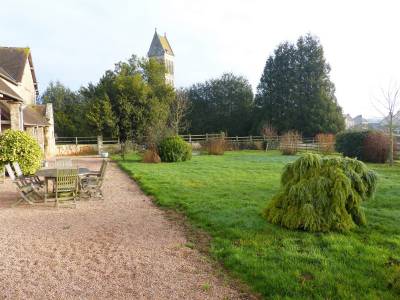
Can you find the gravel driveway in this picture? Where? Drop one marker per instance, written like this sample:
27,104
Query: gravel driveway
122,247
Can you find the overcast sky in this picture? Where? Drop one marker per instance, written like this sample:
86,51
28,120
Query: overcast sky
75,41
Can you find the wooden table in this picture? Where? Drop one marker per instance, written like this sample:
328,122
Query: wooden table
51,174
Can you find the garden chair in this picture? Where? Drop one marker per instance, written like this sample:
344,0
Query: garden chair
92,183
64,163
28,179
26,190
66,187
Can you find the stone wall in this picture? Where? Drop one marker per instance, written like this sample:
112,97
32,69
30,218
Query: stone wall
15,115
72,150
50,142
38,134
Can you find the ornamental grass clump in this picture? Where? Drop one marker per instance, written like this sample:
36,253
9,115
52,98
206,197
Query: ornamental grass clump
325,142
289,143
322,194
216,146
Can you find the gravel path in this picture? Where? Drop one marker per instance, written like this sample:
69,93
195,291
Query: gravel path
122,247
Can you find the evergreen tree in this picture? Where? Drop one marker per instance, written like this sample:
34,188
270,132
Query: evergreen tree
69,110
139,99
222,104
295,90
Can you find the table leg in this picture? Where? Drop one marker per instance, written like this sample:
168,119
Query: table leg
46,189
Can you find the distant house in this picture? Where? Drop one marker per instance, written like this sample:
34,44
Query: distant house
348,120
359,121
161,50
18,95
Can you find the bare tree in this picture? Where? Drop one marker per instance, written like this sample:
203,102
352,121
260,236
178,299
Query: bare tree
388,105
179,109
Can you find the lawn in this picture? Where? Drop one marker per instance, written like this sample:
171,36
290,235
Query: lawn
225,196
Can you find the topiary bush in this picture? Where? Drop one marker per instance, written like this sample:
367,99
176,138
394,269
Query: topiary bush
19,146
322,194
173,149
351,143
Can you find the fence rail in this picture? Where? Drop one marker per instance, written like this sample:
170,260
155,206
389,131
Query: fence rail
306,144
84,140
192,138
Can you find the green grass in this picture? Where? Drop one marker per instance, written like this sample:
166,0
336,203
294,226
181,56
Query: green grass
225,196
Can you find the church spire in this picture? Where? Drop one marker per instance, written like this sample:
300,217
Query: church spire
160,49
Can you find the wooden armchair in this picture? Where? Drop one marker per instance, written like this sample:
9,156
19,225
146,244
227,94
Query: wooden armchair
92,183
26,190
33,179
66,187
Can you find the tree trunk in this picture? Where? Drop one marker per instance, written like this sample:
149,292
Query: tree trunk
391,139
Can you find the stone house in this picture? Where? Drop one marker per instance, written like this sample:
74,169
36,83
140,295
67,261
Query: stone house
348,120
18,99
161,50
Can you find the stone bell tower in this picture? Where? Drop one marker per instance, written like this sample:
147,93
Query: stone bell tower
161,50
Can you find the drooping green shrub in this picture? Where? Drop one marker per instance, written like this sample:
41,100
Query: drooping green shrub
19,146
351,143
395,280
173,149
322,194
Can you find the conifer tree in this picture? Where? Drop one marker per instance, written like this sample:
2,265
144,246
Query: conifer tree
295,91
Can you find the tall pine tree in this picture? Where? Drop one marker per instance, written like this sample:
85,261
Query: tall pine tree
295,90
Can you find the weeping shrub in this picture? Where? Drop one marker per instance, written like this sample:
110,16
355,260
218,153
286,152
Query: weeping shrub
19,146
395,282
322,194
173,149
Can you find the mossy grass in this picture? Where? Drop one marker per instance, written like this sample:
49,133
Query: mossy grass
225,196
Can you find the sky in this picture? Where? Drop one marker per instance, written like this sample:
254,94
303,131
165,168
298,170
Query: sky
76,41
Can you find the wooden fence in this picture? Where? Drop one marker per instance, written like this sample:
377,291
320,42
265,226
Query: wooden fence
268,142
84,140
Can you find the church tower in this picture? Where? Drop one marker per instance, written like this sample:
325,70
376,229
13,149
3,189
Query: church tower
161,50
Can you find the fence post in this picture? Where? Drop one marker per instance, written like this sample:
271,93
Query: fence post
99,144
76,141
251,139
190,138
206,137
